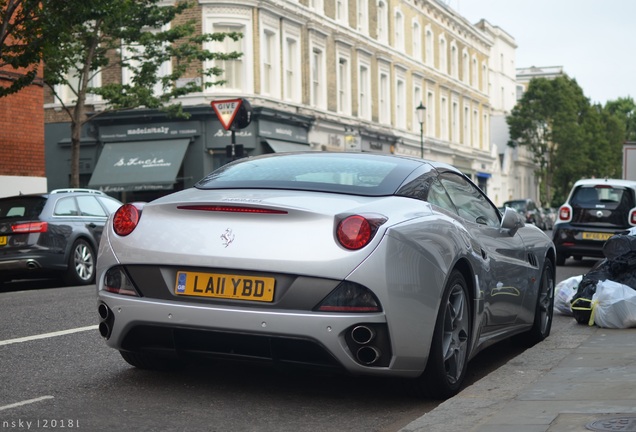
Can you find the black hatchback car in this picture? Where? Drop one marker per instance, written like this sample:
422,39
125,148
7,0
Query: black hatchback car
528,209
54,233
595,210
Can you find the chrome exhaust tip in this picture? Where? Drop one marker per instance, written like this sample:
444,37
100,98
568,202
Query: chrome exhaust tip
368,355
362,334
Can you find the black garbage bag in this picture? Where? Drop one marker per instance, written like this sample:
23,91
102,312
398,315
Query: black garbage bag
618,266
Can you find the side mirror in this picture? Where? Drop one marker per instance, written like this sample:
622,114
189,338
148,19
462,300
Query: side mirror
512,221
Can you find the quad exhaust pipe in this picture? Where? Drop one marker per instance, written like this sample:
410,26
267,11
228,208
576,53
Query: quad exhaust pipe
364,335
107,319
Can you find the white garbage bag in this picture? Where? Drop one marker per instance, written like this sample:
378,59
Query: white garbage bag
563,294
614,305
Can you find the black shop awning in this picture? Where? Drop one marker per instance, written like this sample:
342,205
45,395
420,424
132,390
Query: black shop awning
285,146
139,165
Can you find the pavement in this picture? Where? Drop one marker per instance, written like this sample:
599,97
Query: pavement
580,378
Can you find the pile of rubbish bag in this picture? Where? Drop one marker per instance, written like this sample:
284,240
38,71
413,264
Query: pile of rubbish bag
606,295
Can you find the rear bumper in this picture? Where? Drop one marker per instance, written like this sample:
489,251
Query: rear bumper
569,240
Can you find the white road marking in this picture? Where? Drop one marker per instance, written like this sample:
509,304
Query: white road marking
47,335
26,402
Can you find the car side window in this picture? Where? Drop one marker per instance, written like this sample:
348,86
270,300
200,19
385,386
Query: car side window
111,204
470,202
438,196
89,206
66,207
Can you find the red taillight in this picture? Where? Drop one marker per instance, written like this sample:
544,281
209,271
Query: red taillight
356,231
30,227
632,217
565,213
126,219
230,209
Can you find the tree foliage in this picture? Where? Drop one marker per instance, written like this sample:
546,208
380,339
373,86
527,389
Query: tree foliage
84,40
568,137
20,43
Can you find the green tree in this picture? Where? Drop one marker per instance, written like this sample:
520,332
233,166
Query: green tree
567,136
625,110
85,39
20,43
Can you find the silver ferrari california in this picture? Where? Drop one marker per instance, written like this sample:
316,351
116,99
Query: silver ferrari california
365,263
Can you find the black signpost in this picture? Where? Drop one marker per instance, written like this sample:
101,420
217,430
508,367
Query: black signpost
234,114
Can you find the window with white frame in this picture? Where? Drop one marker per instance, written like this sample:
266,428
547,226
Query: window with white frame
269,63
443,55
475,129
484,133
132,53
364,90
400,102
465,67
443,117
343,83
484,77
430,47
342,11
466,124
292,68
417,40
418,98
454,61
236,73
455,121
318,93
429,127
383,21
384,97
474,74
362,7
317,5
68,93
398,35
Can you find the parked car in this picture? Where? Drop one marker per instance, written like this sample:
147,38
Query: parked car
367,263
52,234
595,210
549,216
529,209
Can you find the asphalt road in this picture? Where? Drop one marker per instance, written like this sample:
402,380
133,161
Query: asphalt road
72,381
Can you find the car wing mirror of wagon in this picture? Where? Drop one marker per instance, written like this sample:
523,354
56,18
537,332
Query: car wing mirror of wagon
511,221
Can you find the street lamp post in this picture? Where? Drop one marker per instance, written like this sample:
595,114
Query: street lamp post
421,110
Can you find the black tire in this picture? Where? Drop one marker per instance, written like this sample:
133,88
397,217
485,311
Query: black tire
81,264
448,356
544,309
147,362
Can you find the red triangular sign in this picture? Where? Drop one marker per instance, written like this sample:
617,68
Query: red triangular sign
226,111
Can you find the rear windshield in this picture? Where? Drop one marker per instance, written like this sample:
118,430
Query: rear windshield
354,174
602,197
520,206
23,207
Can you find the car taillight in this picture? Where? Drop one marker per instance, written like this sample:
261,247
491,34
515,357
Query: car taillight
126,219
565,213
116,281
30,227
632,217
350,297
355,232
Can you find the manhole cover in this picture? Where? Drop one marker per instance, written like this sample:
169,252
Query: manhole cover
623,423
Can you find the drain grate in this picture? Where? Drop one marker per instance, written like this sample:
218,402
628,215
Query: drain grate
608,424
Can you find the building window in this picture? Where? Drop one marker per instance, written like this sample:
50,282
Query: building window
429,127
342,12
465,67
292,65
384,98
455,122
443,56
484,77
443,118
475,74
317,5
475,129
344,85
485,139
466,128
363,16
269,57
430,48
417,100
383,23
417,41
234,71
400,103
454,61
399,31
364,92
318,72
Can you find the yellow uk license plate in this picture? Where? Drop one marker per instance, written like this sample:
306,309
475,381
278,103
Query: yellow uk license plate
596,236
3,240
226,286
